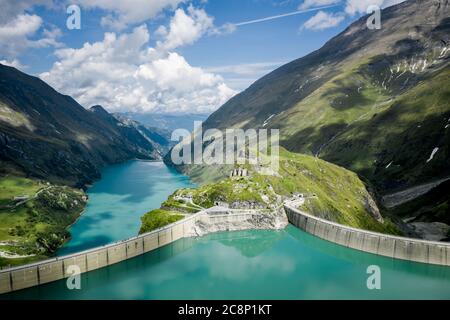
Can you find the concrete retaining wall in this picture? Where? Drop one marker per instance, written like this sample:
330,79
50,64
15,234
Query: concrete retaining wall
389,246
228,218
56,269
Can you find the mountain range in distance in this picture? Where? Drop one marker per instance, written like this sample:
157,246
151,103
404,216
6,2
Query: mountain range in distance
166,122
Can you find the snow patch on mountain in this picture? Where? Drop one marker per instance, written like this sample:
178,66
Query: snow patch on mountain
433,154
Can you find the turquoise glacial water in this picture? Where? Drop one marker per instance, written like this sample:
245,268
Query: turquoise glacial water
288,264
116,203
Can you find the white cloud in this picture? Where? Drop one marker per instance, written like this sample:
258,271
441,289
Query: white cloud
323,20
21,30
241,76
123,74
128,12
10,9
360,6
22,26
316,3
185,28
351,6
246,69
49,39
15,35
227,28
13,63
161,31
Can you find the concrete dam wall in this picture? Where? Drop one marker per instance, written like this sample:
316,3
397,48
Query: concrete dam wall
430,252
221,219
39,273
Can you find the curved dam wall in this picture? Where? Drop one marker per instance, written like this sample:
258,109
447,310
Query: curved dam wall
39,273
430,252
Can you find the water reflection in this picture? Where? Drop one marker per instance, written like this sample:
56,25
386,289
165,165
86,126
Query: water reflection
367,259
253,265
247,243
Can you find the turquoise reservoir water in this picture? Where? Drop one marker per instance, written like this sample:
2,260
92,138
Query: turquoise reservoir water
288,264
116,203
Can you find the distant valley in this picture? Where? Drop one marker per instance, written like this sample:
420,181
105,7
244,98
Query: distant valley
166,122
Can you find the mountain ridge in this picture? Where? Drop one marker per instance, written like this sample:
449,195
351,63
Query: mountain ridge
50,136
355,79
372,101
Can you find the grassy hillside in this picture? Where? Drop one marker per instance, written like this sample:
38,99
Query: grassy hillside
387,140
34,228
333,193
372,101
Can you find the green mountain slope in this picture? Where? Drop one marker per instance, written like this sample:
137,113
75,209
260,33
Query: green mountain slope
373,101
34,216
331,192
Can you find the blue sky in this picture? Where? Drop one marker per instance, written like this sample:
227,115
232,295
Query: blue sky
174,56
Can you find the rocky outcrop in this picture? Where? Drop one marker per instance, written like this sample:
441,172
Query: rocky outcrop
372,208
248,205
239,221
